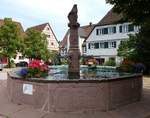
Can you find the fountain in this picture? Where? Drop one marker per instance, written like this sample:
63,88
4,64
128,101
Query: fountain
76,88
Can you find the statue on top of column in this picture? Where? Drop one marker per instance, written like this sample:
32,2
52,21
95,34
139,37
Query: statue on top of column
72,16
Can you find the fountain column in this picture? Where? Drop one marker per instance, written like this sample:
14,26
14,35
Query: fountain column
73,53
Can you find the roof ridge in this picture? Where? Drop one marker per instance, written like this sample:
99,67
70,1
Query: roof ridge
39,25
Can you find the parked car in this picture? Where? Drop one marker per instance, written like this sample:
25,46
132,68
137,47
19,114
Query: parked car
1,66
22,64
20,61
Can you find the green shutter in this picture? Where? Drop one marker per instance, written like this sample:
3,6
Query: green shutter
105,44
96,45
130,28
97,31
105,31
114,29
89,46
120,29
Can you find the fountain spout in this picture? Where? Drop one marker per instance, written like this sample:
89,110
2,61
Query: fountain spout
73,53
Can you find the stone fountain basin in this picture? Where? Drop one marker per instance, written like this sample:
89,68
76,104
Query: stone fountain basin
76,94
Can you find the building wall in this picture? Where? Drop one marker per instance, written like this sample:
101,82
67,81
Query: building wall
117,37
52,41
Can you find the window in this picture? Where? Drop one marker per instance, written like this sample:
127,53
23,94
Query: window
108,30
21,57
111,30
105,31
126,28
52,43
96,45
89,46
123,28
102,45
120,29
112,44
114,29
48,36
84,49
47,28
131,28
105,44
97,31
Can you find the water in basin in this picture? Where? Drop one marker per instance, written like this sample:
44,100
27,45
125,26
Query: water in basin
61,73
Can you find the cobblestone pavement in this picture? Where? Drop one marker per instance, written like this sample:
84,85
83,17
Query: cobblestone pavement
9,110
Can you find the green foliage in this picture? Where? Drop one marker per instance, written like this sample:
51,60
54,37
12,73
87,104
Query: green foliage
83,60
10,39
137,48
137,11
126,68
127,48
11,65
110,62
64,61
55,58
36,45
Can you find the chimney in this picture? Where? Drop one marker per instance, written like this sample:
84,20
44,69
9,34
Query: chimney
90,23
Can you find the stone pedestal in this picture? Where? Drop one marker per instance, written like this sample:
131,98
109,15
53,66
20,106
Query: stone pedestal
74,53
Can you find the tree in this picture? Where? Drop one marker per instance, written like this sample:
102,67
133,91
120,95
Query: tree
137,47
137,11
55,58
36,45
10,39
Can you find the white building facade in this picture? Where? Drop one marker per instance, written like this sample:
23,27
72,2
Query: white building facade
51,38
105,38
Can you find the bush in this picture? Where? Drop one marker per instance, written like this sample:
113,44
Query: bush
110,62
64,61
126,66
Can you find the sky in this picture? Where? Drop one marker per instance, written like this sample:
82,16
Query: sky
35,12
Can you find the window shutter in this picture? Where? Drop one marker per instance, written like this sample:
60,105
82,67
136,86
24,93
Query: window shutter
115,44
130,28
89,46
97,31
114,29
105,30
120,29
105,44
96,45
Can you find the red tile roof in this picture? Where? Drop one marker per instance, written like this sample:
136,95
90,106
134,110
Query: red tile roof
110,18
83,32
39,27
